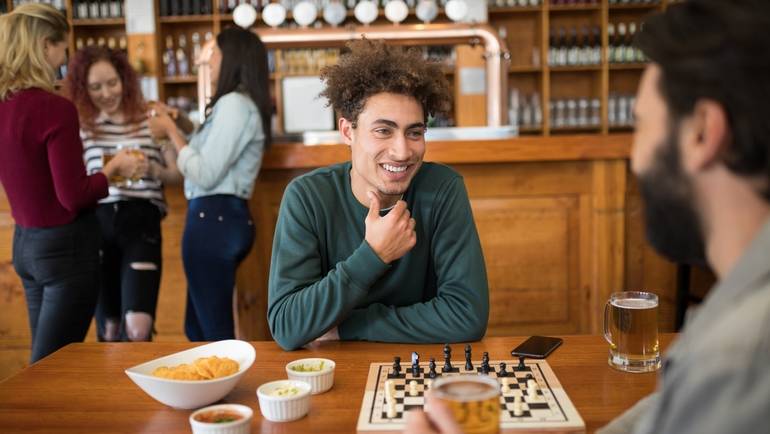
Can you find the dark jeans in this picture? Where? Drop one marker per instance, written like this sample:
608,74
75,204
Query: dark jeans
218,234
59,268
131,261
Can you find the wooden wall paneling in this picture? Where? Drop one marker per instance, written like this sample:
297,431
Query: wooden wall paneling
609,220
470,110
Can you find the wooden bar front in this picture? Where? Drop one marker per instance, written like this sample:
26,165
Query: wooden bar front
559,220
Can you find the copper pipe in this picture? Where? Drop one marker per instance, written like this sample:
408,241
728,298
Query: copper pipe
494,52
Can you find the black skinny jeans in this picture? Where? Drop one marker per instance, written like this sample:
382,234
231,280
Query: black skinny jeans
59,268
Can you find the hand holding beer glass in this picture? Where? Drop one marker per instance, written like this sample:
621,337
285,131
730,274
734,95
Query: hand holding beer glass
631,328
125,167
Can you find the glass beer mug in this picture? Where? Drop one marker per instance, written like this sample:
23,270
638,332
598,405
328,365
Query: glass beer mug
473,400
631,328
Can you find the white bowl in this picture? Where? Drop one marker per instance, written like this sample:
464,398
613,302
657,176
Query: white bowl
193,393
284,409
240,426
319,381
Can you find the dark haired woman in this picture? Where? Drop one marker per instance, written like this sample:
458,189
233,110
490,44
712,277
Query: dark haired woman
113,115
56,239
220,165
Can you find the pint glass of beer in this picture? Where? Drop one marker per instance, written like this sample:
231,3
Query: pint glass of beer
474,401
631,328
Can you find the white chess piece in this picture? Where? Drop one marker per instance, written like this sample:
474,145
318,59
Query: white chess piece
426,10
244,15
334,13
396,11
366,12
274,14
505,385
532,389
392,410
456,10
304,13
390,391
413,388
518,409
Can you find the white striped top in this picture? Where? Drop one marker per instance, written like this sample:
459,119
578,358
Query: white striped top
108,137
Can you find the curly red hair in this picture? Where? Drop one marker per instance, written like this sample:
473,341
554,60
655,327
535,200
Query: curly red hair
76,84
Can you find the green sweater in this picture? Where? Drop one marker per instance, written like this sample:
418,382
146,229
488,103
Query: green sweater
324,274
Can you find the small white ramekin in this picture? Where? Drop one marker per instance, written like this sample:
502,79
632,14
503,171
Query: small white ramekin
284,409
320,381
240,426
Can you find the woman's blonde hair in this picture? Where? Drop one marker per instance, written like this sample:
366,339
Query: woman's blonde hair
22,58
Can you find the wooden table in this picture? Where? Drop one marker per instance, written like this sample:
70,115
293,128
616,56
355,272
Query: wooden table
82,388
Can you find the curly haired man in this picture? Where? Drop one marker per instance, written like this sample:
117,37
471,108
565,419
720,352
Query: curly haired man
383,247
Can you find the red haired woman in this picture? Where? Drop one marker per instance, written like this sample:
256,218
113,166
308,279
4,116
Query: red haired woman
113,115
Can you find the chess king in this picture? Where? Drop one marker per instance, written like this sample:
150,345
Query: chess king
382,247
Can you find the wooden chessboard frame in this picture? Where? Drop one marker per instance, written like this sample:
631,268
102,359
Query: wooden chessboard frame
547,380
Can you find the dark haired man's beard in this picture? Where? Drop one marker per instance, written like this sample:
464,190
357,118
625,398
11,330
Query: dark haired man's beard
673,226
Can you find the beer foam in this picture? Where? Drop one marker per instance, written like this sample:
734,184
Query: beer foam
635,303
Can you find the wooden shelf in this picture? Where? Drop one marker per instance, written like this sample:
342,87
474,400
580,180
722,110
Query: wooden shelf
574,8
515,9
577,68
621,128
180,80
635,6
627,66
573,129
524,68
203,19
93,22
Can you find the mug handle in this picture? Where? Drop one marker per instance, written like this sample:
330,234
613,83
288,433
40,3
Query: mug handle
607,335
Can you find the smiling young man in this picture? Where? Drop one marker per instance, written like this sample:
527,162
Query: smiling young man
383,247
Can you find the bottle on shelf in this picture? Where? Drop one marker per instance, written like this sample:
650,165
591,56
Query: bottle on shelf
169,58
93,9
620,113
575,112
620,48
104,9
182,61
577,49
196,42
612,42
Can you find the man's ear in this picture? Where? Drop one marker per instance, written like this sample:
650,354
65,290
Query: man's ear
346,130
705,136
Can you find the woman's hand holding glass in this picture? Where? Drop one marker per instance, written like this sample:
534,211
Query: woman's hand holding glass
126,164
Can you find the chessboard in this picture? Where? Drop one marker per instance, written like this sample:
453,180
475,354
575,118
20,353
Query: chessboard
551,410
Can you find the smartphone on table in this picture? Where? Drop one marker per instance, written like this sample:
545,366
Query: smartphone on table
537,347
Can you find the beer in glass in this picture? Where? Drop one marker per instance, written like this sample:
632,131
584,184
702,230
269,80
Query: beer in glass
631,328
473,400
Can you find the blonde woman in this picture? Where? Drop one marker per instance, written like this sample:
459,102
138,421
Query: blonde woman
56,239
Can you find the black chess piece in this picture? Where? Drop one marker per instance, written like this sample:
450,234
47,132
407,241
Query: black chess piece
522,366
415,364
468,363
502,372
432,368
397,365
447,359
485,367
485,358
